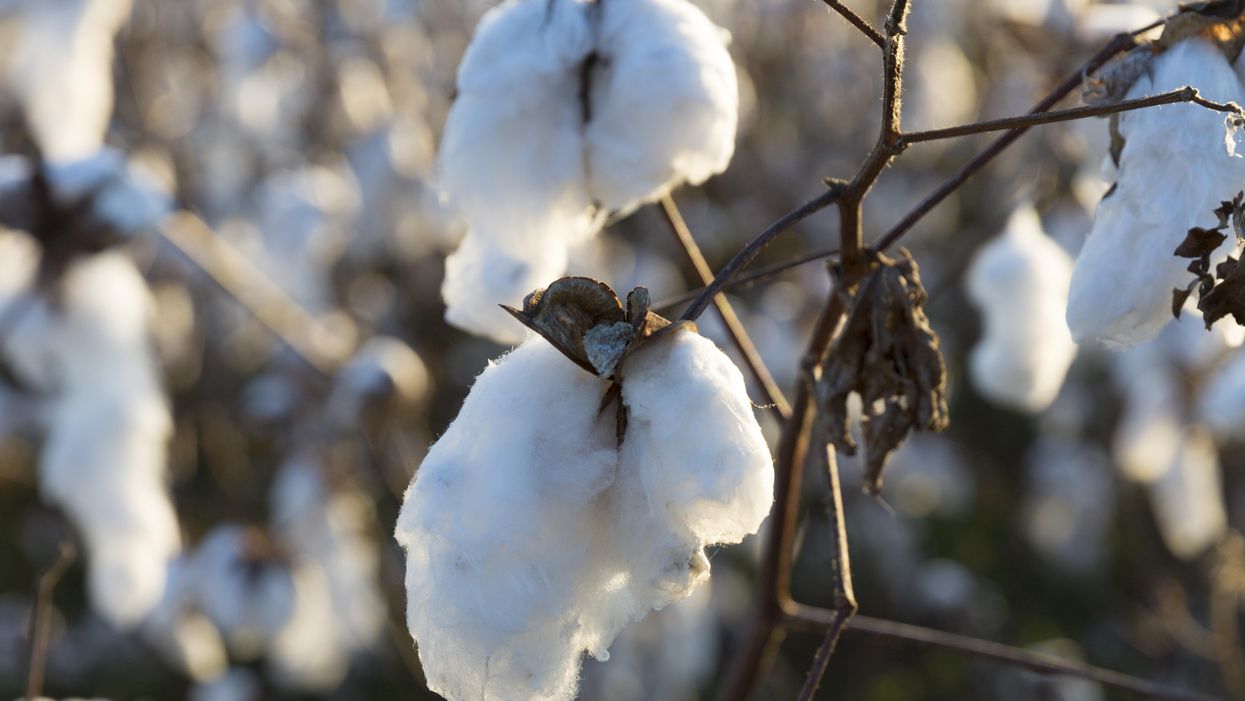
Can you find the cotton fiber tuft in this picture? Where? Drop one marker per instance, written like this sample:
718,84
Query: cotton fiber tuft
533,537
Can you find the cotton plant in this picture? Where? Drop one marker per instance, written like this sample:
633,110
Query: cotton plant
1020,283
533,535
568,111
84,353
1173,171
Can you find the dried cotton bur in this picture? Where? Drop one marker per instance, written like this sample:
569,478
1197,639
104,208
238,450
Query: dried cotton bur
1222,293
533,535
887,354
568,111
1173,167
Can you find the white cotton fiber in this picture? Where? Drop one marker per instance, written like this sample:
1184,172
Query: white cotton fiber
532,537
1188,498
664,102
568,109
249,596
1019,281
107,426
62,72
1221,401
1174,170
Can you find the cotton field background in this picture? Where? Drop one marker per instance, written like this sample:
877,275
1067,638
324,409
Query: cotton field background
251,257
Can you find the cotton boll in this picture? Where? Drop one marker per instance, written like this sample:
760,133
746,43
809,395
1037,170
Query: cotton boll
664,102
1188,497
481,274
62,72
247,595
1150,428
1020,283
325,532
107,428
532,537
1174,171
303,655
384,371
122,197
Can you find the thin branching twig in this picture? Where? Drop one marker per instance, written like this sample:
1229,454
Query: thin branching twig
739,336
41,620
858,22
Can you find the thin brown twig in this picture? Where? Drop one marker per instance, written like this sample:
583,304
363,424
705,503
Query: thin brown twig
739,335
742,280
858,22
310,340
41,621
1119,44
811,617
754,247
1185,94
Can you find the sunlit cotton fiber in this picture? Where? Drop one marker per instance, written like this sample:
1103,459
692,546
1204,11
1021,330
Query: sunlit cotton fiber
1173,172
107,425
1019,281
567,110
532,537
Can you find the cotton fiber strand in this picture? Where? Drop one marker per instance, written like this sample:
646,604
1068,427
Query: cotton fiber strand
107,427
1019,281
567,110
532,537
1174,171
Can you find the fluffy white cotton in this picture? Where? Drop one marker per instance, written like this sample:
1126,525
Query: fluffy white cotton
246,593
338,608
184,637
1019,281
1173,172
1188,498
107,426
565,110
62,72
1150,428
664,102
532,537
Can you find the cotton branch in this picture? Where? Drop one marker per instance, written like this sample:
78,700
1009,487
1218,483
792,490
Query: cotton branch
1185,94
812,617
858,22
41,621
739,335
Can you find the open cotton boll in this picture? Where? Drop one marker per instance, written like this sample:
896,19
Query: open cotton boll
325,533
1174,171
482,274
247,595
107,426
62,72
1020,283
182,636
1188,498
531,537
664,102
122,197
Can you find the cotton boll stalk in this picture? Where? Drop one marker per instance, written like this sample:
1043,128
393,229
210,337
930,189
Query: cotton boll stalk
1188,498
62,72
107,427
532,537
664,102
1173,172
1020,283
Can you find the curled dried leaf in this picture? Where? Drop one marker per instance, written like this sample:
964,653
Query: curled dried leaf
887,353
1221,293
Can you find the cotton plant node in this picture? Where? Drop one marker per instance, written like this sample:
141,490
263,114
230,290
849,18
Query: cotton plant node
1221,292
887,354
584,319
